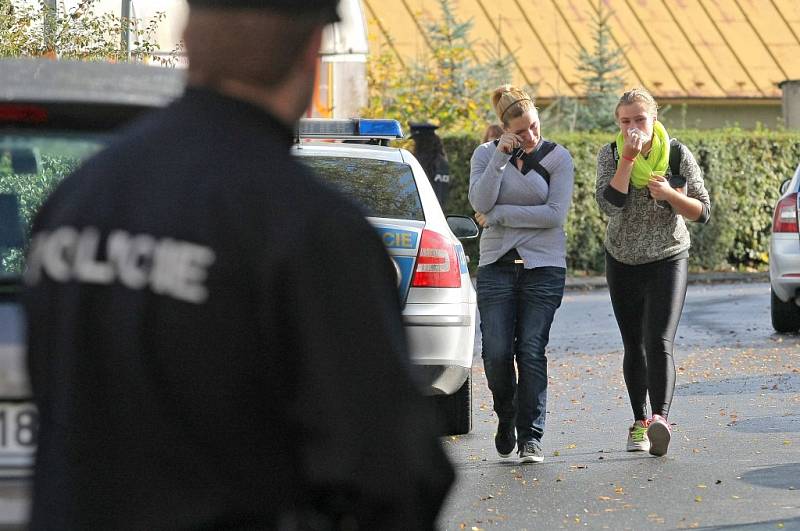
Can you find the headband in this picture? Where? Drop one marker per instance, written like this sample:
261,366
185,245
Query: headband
502,116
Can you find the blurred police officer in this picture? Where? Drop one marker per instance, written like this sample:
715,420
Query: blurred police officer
215,338
429,151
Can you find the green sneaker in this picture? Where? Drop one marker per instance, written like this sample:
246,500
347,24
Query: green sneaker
637,437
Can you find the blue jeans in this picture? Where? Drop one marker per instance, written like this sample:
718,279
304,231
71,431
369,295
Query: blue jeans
517,306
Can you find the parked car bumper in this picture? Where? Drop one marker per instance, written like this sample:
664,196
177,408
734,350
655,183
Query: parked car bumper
441,340
784,265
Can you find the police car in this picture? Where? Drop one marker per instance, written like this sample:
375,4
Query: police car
439,304
53,115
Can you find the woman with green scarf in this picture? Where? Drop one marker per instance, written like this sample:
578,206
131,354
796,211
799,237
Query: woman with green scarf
648,186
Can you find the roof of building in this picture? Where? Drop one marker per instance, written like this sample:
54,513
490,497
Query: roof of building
690,49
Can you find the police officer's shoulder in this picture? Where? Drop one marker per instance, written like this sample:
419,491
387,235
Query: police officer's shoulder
332,225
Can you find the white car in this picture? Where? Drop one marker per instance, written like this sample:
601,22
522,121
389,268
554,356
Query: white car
784,259
439,303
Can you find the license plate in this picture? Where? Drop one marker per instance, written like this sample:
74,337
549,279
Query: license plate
19,425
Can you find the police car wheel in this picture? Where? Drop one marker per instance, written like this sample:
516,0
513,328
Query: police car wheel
454,412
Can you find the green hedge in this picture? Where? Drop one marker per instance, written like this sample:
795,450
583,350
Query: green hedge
743,171
31,191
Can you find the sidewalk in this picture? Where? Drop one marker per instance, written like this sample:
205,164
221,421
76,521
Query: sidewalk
578,283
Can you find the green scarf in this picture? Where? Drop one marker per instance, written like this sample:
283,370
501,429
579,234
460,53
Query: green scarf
657,161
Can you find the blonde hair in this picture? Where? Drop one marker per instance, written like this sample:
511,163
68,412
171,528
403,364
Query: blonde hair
637,95
510,102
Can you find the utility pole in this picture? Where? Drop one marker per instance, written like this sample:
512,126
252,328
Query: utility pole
125,15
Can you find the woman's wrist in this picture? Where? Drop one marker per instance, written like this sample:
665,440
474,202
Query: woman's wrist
629,159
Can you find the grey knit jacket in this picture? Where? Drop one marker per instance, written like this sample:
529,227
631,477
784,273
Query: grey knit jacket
523,212
640,231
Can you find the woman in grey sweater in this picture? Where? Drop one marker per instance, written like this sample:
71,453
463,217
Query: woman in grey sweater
521,188
647,248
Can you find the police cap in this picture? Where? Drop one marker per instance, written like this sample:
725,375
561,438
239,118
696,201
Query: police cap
326,9
419,128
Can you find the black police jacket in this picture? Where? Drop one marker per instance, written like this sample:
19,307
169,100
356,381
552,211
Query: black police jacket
215,341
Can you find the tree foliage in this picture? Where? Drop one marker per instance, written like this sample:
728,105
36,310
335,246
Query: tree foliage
448,85
602,80
36,30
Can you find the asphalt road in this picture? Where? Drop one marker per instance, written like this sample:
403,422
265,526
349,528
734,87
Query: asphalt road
735,458
734,462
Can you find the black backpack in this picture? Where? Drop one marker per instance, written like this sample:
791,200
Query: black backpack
533,161
676,180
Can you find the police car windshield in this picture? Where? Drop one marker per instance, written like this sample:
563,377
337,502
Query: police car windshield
31,165
383,188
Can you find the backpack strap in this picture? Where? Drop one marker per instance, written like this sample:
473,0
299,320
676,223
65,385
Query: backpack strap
676,180
534,162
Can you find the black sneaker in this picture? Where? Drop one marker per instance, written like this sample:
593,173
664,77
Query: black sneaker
505,439
531,452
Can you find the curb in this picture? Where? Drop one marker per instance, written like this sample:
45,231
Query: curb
590,283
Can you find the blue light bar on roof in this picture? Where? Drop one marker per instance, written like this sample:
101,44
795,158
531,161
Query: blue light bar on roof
380,128
349,129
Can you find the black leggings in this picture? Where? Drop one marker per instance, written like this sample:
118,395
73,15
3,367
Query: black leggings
648,300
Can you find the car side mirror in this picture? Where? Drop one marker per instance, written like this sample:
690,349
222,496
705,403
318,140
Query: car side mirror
785,186
463,227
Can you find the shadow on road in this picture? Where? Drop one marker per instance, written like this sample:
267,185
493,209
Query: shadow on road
777,477
792,523
777,424
775,383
